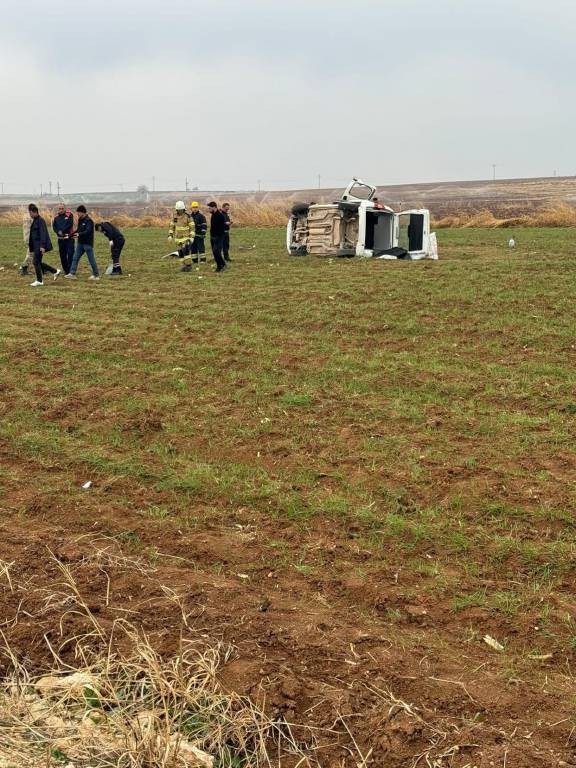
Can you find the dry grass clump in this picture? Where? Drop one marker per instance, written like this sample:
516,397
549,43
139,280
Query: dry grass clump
15,216
134,709
276,214
122,704
245,214
560,215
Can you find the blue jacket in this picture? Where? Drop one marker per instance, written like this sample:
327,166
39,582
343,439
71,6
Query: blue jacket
63,225
85,231
39,237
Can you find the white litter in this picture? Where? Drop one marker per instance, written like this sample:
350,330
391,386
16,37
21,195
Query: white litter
493,643
87,484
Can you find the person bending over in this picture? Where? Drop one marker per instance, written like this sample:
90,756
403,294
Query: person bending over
117,241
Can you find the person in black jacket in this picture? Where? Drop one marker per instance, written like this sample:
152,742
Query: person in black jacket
117,241
39,243
63,225
198,249
226,242
217,231
85,234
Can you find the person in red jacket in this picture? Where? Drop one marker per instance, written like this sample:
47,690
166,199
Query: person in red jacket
63,226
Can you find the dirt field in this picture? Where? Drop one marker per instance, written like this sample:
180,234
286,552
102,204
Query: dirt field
350,471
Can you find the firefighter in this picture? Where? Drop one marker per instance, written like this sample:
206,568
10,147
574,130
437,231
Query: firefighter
198,249
182,232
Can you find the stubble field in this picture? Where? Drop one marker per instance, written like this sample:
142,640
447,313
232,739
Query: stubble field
346,473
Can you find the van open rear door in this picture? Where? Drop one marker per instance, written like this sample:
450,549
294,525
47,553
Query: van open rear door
413,233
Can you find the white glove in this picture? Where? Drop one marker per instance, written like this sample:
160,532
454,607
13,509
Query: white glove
111,242
170,238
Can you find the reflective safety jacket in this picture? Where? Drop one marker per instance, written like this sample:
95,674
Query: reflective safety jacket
182,227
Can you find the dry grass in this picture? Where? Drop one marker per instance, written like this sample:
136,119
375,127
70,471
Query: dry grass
122,704
252,214
244,214
560,215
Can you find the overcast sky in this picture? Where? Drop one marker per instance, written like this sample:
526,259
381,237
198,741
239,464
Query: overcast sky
230,92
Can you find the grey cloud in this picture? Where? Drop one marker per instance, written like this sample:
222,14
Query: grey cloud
393,91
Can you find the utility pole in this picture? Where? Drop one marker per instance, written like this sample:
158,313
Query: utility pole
58,188
153,183
259,183
319,181
186,187
40,190
50,185
2,186
494,166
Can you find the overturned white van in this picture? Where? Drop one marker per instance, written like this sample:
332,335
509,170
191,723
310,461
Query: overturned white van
355,226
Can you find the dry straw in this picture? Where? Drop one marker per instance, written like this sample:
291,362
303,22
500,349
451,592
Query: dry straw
275,214
122,704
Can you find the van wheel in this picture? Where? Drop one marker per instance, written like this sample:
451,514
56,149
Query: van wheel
298,209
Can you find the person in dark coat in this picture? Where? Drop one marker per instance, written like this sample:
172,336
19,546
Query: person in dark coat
198,249
85,234
226,242
217,231
117,242
39,243
63,225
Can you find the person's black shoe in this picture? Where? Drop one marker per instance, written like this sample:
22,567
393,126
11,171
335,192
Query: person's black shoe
23,271
203,258
116,271
186,268
227,258
195,261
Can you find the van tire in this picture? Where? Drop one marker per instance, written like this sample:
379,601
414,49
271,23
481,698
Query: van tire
299,209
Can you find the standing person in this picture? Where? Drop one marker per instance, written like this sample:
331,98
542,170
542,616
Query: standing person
63,225
117,242
226,241
29,259
39,244
85,233
217,231
182,232
198,249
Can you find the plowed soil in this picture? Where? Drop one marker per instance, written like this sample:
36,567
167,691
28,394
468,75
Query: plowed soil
352,472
